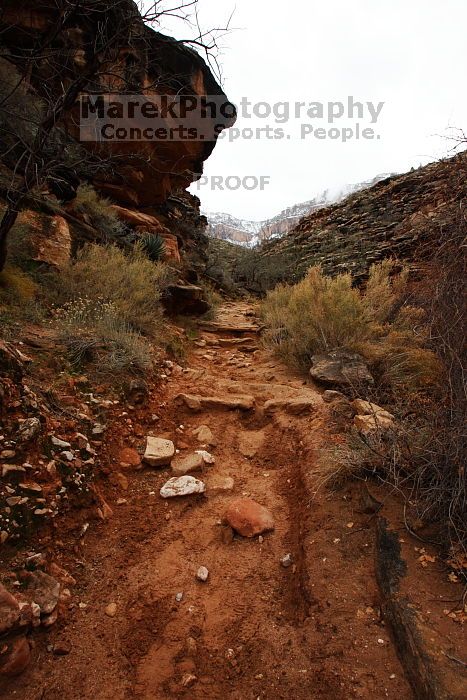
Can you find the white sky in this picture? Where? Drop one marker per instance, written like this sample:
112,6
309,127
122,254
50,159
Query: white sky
408,54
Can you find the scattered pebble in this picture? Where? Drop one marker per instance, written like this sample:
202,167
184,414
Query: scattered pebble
111,610
202,574
179,597
287,561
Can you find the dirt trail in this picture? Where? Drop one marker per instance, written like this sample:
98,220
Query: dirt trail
255,629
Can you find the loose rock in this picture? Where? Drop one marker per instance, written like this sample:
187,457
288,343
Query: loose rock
129,457
202,574
249,518
182,486
341,368
207,457
159,452
43,589
111,610
219,484
204,435
287,561
188,464
28,430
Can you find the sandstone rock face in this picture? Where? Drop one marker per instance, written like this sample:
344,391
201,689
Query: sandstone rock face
143,62
249,518
182,486
341,368
158,451
146,223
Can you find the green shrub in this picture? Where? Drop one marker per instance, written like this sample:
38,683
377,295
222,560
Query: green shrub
153,245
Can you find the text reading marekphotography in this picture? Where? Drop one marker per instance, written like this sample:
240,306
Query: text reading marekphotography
113,118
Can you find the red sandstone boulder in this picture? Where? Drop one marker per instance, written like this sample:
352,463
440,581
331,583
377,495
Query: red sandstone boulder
248,518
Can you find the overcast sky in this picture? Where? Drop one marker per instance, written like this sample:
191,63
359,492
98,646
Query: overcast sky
409,55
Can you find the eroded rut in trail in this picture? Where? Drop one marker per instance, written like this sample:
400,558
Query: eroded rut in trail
255,629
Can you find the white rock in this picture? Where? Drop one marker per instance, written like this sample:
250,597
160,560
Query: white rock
202,574
59,443
158,451
287,561
182,486
207,456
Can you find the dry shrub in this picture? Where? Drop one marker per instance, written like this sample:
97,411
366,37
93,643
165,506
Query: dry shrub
94,331
316,315
106,302
16,287
128,280
425,457
320,314
98,213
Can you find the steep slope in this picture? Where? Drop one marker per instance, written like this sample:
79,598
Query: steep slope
400,216
250,233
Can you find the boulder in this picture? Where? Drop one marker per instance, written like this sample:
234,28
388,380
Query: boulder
371,418
53,245
159,452
188,464
248,518
186,299
28,430
341,368
330,395
48,239
250,441
182,486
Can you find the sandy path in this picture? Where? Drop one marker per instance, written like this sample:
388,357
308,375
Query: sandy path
255,629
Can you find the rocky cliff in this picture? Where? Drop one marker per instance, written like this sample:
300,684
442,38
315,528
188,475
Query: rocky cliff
400,216
105,48
251,233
